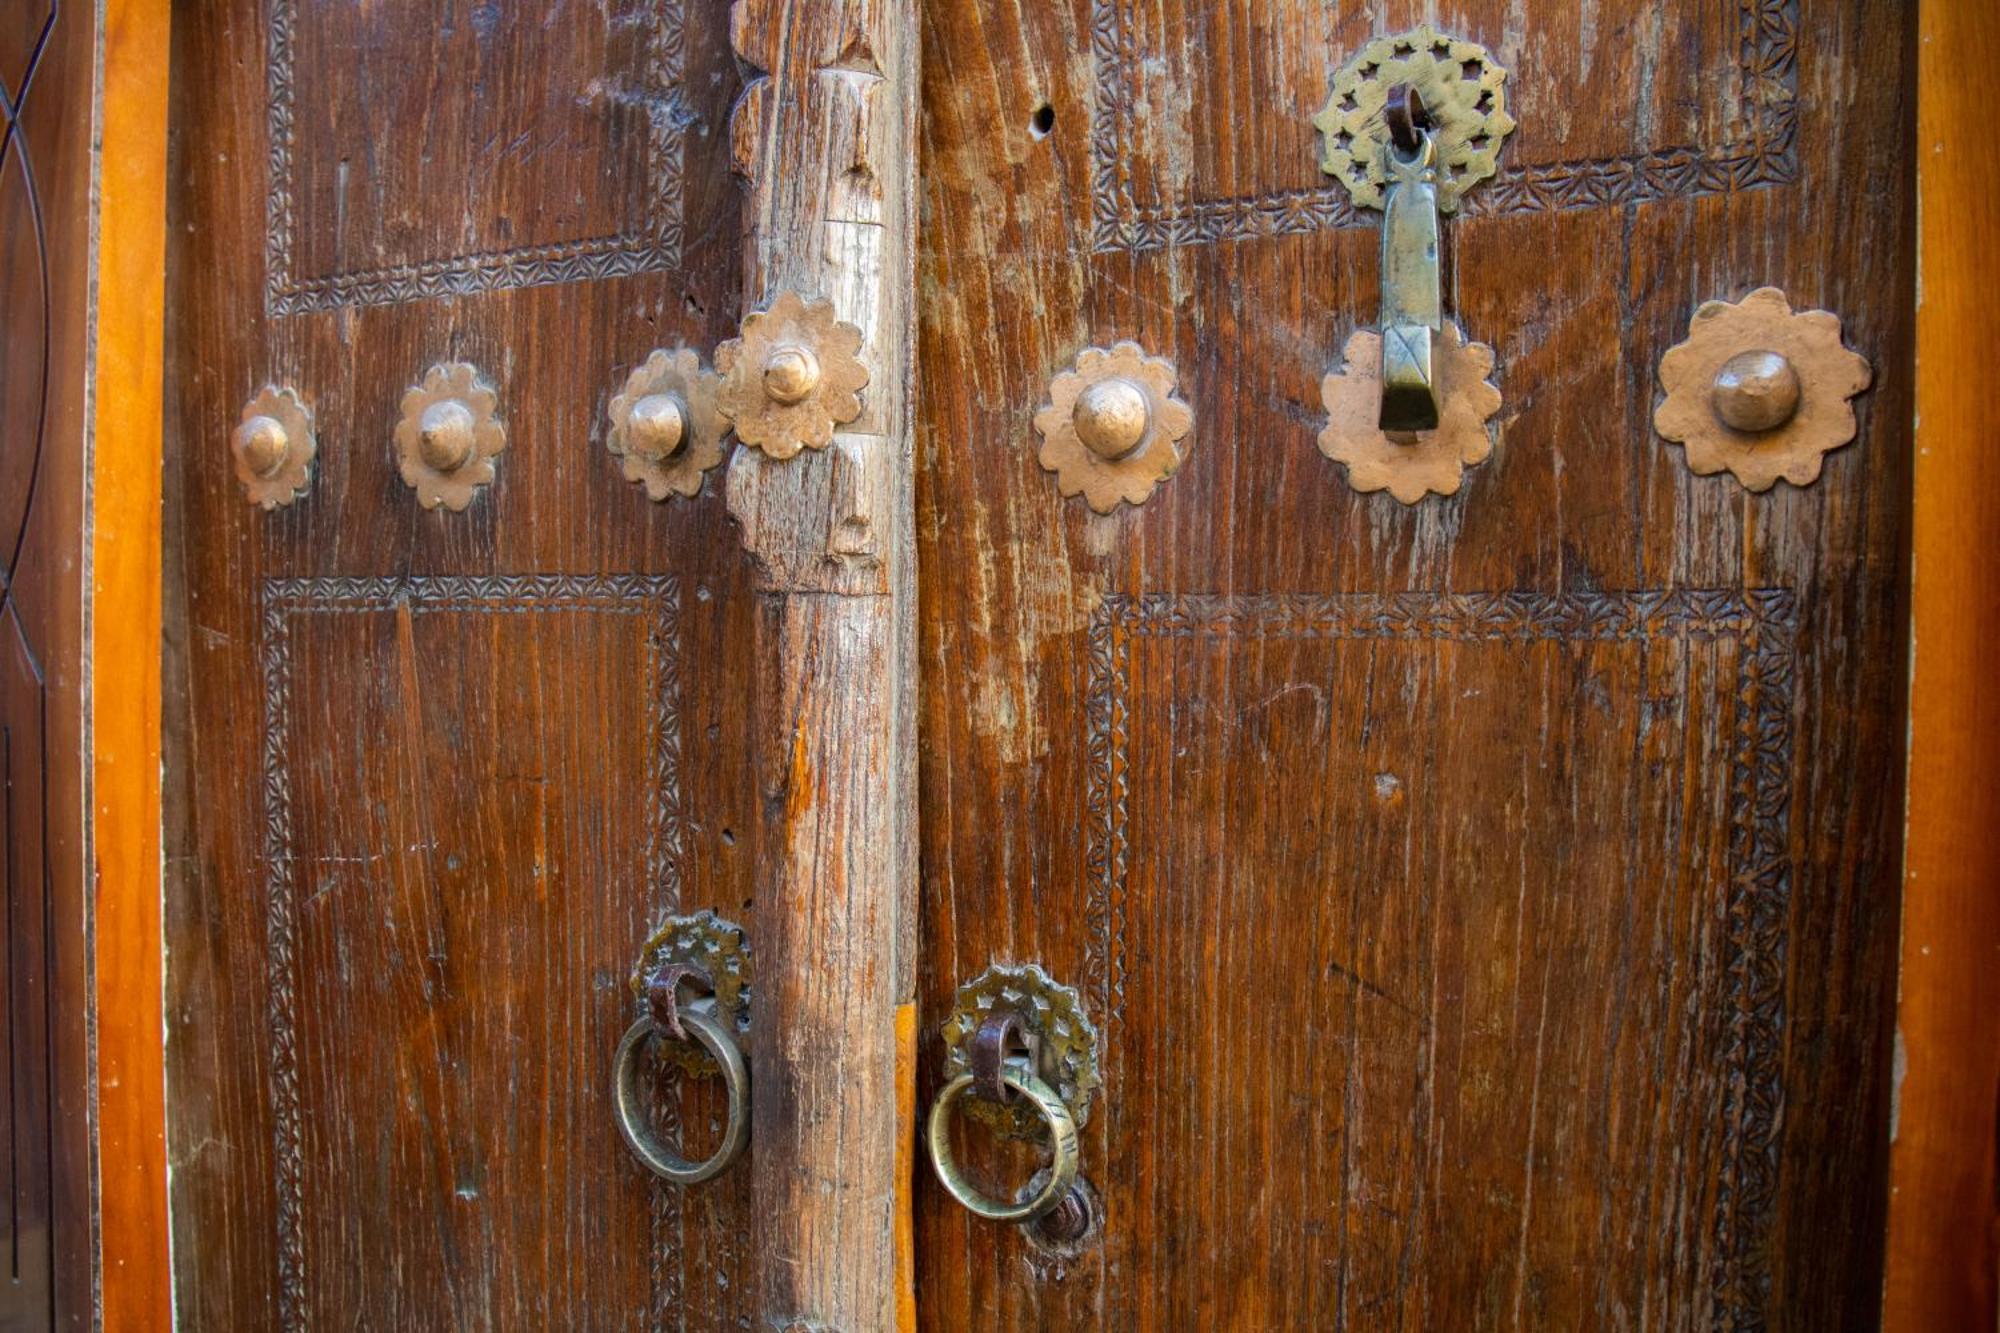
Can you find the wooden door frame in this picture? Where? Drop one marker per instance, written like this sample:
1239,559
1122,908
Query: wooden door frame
127,430
1942,1269
1943,1260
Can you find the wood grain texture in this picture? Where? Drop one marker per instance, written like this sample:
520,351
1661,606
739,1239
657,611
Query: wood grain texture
135,1276
825,139
1944,1212
434,777
49,171
1489,906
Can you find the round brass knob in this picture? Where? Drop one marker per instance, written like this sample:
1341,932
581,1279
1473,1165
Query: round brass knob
1756,391
791,373
1111,417
444,435
261,442
657,427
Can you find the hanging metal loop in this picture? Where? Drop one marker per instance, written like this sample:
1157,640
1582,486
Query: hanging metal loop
1017,1075
629,1093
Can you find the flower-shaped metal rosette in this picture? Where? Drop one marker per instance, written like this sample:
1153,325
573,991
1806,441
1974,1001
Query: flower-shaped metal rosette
1411,466
1760,391
274,447
716,948
1464,89
791,377
665,426
1112,429
448,435
1053,1014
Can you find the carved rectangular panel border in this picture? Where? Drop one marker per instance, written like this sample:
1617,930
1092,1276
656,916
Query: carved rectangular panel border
656,597
1763,624
654,247
1765,155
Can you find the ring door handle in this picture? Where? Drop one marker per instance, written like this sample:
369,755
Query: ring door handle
700,1034
1021,1059
1017,1075
629,1095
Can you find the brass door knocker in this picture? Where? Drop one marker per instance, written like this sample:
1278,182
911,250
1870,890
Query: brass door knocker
1413,122
1412,300
698,1033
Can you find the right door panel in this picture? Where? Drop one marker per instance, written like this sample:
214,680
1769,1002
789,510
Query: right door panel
1487,905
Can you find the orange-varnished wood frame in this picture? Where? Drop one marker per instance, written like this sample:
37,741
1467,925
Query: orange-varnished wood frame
1943,1268
134,1274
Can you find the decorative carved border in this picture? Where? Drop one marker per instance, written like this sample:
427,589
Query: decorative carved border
656,597
1762,152
655,247
1763,622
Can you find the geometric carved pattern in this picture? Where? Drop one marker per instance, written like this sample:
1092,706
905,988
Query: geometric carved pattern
653,246
1761,622
656,597
1763,154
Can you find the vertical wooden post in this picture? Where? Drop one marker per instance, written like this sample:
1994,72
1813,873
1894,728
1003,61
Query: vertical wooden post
1943,1264
825,134
128,313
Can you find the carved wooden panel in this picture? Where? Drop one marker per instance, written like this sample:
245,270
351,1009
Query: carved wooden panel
1170,167
1490,904
435,776
1346,1084
520,153
444,978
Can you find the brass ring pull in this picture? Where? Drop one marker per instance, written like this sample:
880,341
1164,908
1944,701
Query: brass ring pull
1062,1136
629,1097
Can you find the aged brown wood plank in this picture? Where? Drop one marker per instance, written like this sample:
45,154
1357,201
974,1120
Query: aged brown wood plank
1489,907
1944,1212
825,135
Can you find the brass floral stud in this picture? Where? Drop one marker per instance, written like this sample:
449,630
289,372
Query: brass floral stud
1112,429
448,436
1410,465
665,425
274,447
1760,391
1464,90
791,377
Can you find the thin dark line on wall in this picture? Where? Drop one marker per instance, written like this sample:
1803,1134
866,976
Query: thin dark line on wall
13,1025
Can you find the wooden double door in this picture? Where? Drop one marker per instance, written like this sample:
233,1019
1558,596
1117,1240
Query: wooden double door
1485,905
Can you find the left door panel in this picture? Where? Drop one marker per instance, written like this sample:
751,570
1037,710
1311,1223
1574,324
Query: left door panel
434,774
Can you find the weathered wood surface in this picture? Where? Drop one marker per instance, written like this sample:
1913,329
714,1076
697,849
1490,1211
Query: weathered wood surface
1944,1166
1489,907
434,777
825,139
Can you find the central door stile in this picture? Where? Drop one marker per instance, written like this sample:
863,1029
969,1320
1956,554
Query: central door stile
825,136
